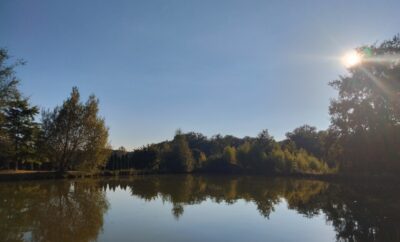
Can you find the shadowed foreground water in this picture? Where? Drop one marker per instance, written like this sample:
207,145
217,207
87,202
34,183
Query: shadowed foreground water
198,208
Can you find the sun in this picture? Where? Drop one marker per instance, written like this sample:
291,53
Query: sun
351,59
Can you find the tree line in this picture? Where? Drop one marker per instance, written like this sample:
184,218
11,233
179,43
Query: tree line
194,152
363,138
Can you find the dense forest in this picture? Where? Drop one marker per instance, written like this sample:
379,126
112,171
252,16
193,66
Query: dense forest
363,138
195,152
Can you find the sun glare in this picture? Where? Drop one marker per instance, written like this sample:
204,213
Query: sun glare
351,59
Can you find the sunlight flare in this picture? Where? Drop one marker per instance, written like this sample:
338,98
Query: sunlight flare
351,59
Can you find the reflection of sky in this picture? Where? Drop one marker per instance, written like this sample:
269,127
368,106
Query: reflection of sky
227,66
133,219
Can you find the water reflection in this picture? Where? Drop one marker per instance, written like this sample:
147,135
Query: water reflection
74,210
51,211
358,212
189,190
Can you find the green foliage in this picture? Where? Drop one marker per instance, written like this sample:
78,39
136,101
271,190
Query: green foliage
366,114
146,158
242,152
280,160
252,155
8,90
22,130
307,137
76,138
18,131
178,156
70,137
199,158
229,155
8,80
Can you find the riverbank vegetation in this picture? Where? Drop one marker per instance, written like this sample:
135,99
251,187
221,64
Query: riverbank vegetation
363,138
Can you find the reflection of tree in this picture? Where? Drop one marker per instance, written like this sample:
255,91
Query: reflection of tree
364,212
186,190
177,210
57,211
73,211
17,203
357,212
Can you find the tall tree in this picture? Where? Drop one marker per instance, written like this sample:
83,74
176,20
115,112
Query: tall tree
21,129
179,157
366,114
183,153
76,137
8,80
8,92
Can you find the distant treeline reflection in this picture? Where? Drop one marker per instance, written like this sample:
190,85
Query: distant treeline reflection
70,210
363,212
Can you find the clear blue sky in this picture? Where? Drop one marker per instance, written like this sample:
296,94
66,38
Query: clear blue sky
229,67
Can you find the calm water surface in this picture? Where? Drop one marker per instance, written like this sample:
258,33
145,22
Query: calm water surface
198,208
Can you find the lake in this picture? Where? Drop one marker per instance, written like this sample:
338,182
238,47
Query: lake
198,208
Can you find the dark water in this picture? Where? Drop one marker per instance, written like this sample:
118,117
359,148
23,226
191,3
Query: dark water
198,208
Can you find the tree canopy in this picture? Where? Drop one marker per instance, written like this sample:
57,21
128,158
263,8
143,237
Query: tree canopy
366,113
76,137
18,131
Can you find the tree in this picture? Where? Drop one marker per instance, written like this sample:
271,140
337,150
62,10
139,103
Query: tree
145,158
229,155
253,156
8,80
366,114
265,140
75,136
307,137
180,157
21,129
199,158
8,92
182,153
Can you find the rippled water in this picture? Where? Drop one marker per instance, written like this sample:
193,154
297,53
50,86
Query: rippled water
198,208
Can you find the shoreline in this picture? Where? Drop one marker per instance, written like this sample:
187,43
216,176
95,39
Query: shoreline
23,175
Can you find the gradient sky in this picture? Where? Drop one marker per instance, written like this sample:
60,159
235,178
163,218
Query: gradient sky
229,67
